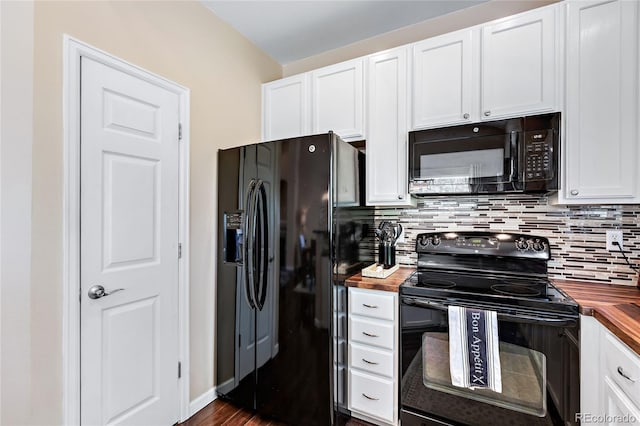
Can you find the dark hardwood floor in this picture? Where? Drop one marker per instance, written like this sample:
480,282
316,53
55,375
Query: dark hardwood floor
223,413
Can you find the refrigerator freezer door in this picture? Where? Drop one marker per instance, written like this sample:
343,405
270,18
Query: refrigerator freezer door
235,359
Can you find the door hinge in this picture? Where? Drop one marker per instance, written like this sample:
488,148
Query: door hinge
179,131
179,370
179,250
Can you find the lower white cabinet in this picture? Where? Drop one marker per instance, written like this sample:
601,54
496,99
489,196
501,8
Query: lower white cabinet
610,377
373,355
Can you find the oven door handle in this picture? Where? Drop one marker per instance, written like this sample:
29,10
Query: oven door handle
517,317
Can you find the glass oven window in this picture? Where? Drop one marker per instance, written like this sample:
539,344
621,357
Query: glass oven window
523,376
531,366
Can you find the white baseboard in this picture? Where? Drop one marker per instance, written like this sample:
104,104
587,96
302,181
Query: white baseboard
226,386
202,401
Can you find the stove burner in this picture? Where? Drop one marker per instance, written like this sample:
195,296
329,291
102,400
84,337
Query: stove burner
434,282
516,290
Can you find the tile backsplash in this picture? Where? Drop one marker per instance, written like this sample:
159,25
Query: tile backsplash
577,233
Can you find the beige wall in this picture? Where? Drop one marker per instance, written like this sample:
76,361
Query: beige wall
479,14
16,134
186,43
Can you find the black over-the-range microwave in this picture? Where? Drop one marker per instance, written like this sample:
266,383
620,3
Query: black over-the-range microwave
512,155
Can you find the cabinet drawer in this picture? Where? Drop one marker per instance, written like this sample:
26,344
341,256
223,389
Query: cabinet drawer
620,361
371,332
370,359
372,303
371,395
617,404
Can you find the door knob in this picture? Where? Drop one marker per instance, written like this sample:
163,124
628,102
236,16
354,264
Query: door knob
487,113
465,115
97,291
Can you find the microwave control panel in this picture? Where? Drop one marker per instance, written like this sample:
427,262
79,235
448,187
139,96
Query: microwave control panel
538,155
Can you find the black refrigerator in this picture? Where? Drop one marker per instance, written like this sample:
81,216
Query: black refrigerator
292,226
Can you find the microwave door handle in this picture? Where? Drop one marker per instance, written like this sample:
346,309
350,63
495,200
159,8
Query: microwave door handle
512,152
516,317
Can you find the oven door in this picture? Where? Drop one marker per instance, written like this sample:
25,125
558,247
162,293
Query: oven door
444,163
538,353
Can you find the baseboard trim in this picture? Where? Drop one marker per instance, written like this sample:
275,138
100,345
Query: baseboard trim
202,401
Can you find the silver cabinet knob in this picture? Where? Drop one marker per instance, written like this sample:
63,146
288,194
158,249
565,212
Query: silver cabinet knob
574,192
400,197
97,291
487,113
465,115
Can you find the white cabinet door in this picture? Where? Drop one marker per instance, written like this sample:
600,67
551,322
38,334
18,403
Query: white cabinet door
519,65
387,182
285,108
601,143
443,80
338,101
591,370
618,408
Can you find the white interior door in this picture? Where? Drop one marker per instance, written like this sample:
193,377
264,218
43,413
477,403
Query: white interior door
129,241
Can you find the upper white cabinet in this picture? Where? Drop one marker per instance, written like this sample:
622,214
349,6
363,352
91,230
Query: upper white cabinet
601,114
519,65
387,181
338,100
443,80
286,108
505,68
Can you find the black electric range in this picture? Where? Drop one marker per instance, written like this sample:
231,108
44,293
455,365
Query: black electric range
538,331
493,269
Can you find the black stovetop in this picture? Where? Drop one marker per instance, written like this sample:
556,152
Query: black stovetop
488,291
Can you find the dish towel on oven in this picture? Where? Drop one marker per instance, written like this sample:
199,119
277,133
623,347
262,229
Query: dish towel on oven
474,357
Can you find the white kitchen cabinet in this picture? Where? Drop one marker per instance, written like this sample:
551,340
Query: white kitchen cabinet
444,80
286,108
387,175
619,409
601,116
338,100
505,68
610,376
373,355
519,64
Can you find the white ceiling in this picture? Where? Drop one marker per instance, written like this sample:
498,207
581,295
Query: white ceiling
296,29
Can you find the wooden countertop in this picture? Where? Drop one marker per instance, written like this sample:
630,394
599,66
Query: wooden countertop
391,283
617,307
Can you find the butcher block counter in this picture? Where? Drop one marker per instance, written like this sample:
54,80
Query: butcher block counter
391,283
617,307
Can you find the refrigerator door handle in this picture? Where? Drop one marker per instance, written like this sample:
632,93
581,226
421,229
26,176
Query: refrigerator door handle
248,255
263,277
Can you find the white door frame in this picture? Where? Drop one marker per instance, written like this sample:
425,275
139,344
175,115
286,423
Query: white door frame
73,50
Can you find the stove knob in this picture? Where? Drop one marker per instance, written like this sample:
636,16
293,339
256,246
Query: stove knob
538,245
521,244
423,241
435,240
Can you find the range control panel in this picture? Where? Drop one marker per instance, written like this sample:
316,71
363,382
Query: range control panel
538,155
484,243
